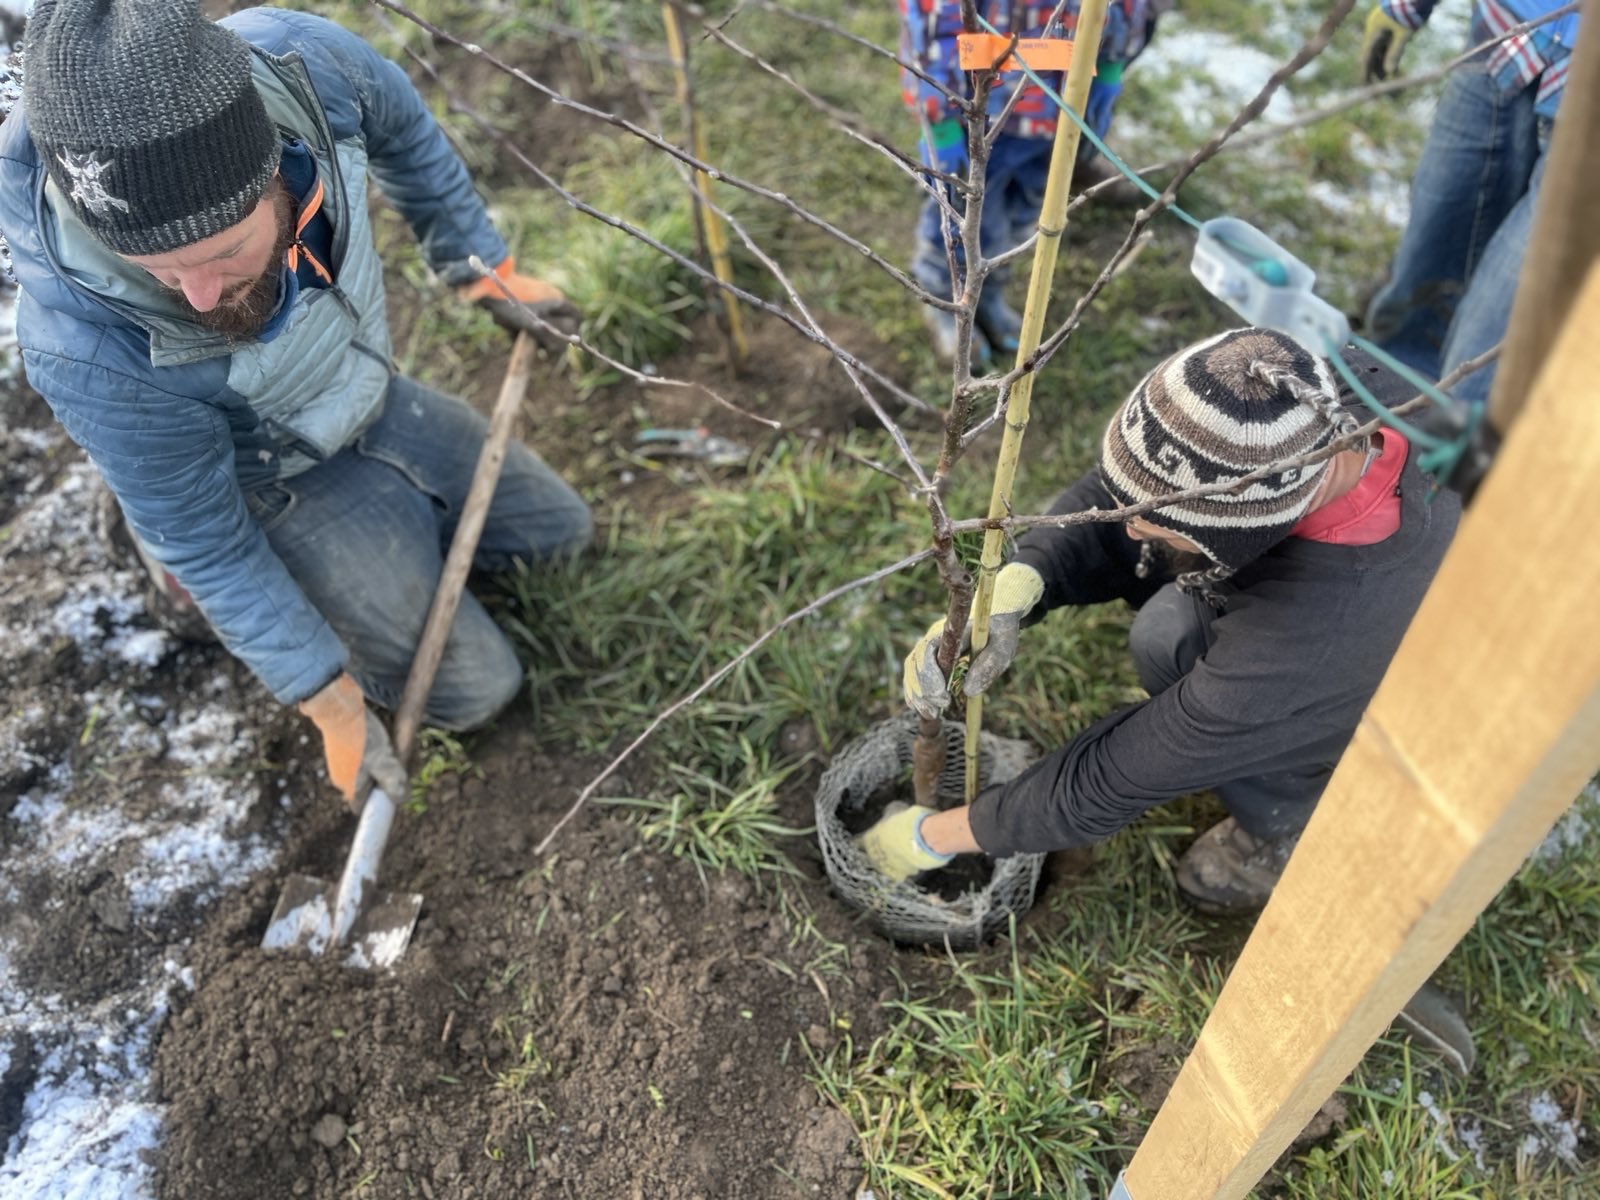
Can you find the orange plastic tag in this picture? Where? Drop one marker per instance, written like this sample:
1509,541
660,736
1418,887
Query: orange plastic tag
979,50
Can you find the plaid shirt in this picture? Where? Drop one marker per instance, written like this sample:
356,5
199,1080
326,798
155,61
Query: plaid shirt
1539,56
928,30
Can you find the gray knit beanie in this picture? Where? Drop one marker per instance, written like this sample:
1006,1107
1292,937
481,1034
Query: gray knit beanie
147,120
1217,411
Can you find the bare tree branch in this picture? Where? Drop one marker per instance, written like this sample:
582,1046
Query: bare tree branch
650,380
1349,100
717,677
840,31
659,143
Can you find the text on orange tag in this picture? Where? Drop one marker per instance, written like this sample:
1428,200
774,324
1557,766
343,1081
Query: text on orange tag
979,50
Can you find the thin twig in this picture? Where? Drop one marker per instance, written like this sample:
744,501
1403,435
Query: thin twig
659,143
717,677
1349,100
840,31
778,273
1338,445
650,380
847,122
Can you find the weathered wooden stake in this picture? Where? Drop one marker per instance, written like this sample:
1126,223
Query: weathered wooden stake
1482,732
716,236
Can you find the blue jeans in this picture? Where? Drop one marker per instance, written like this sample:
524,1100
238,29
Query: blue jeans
365,534
1449,294
1013,195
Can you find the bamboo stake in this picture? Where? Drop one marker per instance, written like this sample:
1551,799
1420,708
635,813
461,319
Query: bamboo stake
716,236
1052,224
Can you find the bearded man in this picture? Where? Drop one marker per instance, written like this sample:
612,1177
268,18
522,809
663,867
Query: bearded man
203,309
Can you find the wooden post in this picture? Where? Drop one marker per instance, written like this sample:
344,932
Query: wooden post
716,236
1485,728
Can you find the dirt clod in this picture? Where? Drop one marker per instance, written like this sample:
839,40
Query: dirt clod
329,1130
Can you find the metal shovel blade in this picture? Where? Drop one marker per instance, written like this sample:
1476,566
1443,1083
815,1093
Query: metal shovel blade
317,916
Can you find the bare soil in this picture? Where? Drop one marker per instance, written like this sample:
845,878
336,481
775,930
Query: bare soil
597,1023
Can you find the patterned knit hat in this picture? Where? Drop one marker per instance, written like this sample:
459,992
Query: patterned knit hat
1215,412
147,120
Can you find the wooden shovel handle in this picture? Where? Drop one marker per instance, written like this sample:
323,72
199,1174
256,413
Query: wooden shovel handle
446,598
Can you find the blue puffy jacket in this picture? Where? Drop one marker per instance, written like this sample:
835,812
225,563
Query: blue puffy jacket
180,424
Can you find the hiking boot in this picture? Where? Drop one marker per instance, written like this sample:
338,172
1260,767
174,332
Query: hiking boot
1228,872
1121,194
1434,1017
1000,323
166,601
942,325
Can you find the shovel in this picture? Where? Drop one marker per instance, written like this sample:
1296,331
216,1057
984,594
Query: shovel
375,929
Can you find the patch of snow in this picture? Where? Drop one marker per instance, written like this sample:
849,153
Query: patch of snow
10,360
85,1121
200,855
161,801
1574,830
1205,73
1554,1130
1471,1135
1441,1122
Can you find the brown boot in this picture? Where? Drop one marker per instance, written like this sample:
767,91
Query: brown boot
1121,194
1228,872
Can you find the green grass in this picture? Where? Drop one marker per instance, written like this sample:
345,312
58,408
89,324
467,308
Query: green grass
1031,1072
717,827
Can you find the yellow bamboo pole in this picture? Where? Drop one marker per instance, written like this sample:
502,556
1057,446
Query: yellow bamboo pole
1052,224
716,236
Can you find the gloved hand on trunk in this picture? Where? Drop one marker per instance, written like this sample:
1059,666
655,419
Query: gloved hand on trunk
357,746
1017,588
527,294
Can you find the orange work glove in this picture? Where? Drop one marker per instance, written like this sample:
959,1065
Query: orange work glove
356,745
527,295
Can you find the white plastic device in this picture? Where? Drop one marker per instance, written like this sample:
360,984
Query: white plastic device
1265,284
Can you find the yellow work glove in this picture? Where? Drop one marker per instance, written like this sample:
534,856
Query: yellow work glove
1382,45
355,743
1017,588
527,295
894,844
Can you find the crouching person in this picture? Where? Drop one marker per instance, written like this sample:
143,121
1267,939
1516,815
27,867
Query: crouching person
1266,617
203,309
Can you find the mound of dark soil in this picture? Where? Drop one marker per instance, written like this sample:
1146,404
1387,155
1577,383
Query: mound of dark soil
597,1023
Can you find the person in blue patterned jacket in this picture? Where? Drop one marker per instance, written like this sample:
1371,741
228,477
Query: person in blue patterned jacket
1448,296
1020,159
202,306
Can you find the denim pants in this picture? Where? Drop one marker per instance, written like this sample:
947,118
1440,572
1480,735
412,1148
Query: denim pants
1013,195
1170,634
365,534
1449,294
